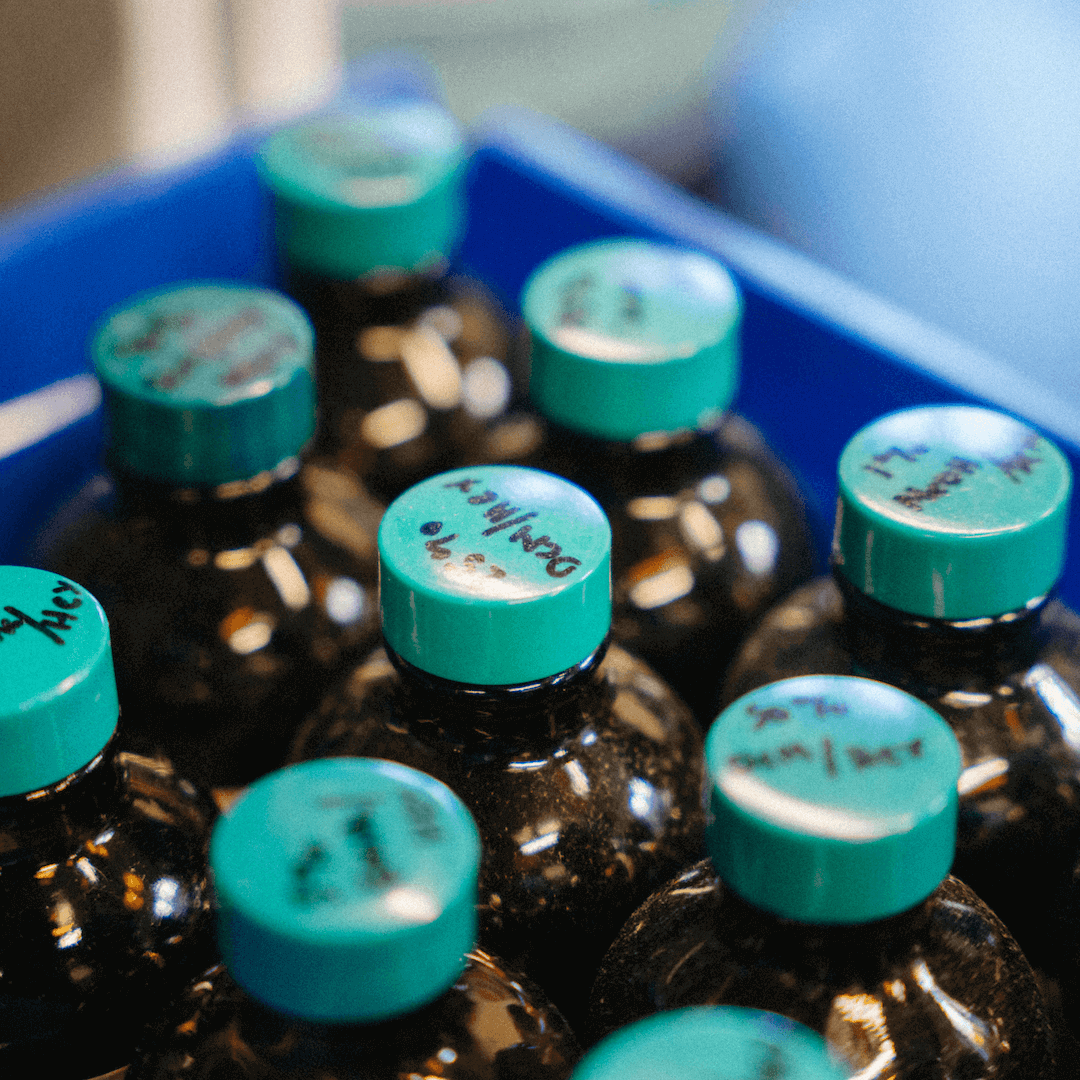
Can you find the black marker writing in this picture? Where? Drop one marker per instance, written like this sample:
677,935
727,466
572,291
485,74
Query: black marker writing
307,888
422,815
955,470
503,516
861,757
572,311
879,460
1020,462
376,874
52,620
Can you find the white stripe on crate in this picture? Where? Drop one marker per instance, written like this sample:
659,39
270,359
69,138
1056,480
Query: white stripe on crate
35,416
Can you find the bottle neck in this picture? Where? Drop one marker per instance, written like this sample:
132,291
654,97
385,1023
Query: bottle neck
229,516
36,825
547,705
932,656
634,464
387,299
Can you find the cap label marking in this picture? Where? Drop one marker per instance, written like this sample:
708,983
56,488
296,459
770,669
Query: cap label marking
51,620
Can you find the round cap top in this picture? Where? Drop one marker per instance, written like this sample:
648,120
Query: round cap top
495,575
347,889
951,512
58,705
846,785
206,383
726,1042
631,336
374,188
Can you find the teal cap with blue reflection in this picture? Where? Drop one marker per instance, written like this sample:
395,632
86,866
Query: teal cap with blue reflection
726,1042
631,337
206,383
58,704
346,889
833,798
496,575
376,187
952,512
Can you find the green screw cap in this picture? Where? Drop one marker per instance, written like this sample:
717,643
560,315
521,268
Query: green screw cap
630,337
834,798
495,576
725,1042
951,512
347,889
206,383
376,188
58,705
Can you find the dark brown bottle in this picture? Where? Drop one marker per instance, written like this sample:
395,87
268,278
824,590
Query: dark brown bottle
634,366
827,898
967,511
416,364
347,891
236,580
103,875
582,769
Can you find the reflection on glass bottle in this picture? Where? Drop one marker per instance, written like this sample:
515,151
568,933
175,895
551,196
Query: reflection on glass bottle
950,536
414,362
582,769
236,580
828,900
347,925
634,366
103,880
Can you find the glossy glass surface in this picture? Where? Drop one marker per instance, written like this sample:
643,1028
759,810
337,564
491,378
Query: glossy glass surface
105,908
939,992
708,531
416,375
229,610
490,1025
587,789
1006,686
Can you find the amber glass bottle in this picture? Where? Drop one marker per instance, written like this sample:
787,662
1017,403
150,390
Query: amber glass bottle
103,880
236,582
635,361
950,537
828,900
417,369
347,896
582,769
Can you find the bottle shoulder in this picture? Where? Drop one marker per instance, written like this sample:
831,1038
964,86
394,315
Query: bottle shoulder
113,912
928,986
492,1023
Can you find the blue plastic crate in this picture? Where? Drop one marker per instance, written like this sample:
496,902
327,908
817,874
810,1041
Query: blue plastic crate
821,357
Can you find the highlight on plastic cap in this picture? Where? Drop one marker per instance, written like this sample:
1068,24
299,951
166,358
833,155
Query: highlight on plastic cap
833,798
347,889
495,575
378,187
631,337
724,1041
206,383
952,512
58,705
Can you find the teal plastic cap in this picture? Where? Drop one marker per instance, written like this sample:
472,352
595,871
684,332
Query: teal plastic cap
631,337
495,576
346,889
725,1043
833,798
206,383
58,705
376,188
952,512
